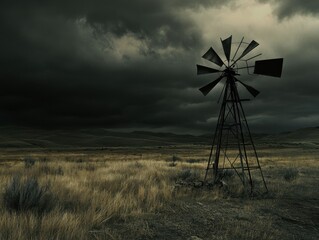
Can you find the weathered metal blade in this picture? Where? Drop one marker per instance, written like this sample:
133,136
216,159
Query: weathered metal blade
248,49
250,89
269,67
207,88
205,70
212,56
227,47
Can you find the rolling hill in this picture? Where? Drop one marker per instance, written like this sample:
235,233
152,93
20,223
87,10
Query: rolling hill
21,137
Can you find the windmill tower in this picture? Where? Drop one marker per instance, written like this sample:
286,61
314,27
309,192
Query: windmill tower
233,148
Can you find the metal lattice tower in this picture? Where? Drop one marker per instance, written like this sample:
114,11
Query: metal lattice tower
233,148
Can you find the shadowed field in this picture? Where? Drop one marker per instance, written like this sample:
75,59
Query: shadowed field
130,193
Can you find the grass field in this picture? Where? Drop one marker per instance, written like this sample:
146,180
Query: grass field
131,193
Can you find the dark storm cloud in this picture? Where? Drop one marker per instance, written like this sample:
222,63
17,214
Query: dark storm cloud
288,8
131,64
59,65
143,17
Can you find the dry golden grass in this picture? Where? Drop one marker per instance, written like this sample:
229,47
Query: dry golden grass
87,194
129,193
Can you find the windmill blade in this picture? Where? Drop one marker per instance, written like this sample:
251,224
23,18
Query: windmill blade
250,89
207,88
205,70
212,56
248,49
269,67
227,47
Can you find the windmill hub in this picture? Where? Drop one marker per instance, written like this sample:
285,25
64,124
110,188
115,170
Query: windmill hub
230,71
233,147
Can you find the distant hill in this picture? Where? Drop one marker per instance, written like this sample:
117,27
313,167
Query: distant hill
304,136
13,137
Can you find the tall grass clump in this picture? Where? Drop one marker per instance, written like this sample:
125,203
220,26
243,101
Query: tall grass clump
28,162
187,175
47,169
290,174
27,195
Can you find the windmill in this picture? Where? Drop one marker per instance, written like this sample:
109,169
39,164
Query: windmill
233,149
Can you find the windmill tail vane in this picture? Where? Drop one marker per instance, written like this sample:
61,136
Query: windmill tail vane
233,148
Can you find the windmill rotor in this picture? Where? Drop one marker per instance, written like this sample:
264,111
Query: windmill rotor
232,124
267,67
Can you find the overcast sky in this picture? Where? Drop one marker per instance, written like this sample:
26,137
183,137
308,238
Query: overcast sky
132,64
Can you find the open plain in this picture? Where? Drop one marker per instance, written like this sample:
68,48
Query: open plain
135,193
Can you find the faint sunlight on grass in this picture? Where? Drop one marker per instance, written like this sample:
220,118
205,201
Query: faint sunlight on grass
88,194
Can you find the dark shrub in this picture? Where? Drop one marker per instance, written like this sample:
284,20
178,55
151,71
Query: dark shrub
27,195
290,174
176,158
193,160
46,169
29,162
188,175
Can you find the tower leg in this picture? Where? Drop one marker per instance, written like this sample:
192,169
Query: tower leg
215,149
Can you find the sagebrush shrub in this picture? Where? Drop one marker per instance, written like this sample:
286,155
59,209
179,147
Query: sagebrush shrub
176,158
192,160
27,195
188,175
46,169
29,162
290,174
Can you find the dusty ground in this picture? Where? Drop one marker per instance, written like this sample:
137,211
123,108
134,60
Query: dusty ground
228,219
290,216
